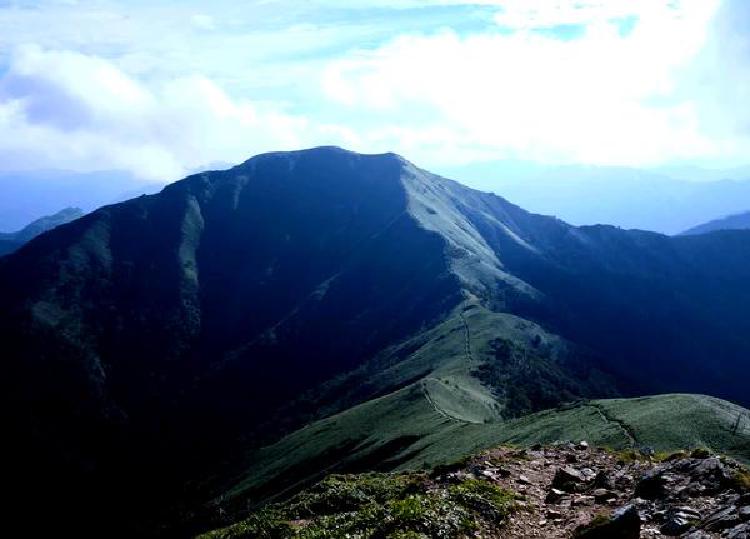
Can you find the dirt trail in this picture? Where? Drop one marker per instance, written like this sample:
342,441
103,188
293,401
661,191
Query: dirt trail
470,357
626,429
467,341
435,407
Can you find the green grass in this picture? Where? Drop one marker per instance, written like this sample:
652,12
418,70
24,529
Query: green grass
668,422
741,480
342,493
401,431
378,506
428,407
487,499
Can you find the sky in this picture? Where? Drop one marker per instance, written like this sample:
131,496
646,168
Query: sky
163,87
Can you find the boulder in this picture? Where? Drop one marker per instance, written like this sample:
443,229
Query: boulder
739,532
679,520
489,474
554,496
722,519
569,479
624,523
653,485
603,480
584,500
588,474
502,472
712,474
602,495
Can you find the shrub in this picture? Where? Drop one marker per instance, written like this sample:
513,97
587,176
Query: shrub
487,499
700,453
265,524
343,493
741,480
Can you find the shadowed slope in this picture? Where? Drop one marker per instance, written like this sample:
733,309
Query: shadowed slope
186,317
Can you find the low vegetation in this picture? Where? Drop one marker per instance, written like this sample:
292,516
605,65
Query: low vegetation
474,497
741,480
379,506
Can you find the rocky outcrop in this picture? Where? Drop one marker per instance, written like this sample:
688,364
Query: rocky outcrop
566,490
572,490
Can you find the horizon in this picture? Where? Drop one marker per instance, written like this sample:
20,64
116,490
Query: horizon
579,195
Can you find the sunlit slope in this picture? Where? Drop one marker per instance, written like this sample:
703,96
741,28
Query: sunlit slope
477,366
404,430
454,389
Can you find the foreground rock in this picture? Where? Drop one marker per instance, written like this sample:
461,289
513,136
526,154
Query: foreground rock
563,491
596,493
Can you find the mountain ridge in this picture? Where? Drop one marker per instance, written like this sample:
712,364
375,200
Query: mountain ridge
12,241
237,306
665,201
738,221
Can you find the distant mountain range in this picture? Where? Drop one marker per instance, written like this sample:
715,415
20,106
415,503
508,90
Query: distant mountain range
229,339
29,195
12,241
740,221
624,197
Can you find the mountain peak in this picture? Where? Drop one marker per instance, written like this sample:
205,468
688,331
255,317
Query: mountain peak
237,306
325,151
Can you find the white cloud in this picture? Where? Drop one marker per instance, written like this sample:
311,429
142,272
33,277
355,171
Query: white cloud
203,21
602,98
159,88
549,13
66,109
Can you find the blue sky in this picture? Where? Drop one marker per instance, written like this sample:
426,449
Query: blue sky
163,87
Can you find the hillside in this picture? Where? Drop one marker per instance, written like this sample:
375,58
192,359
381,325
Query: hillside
740,221
366,438
168,339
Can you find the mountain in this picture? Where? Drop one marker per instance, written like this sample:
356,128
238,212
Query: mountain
740,221
28,195
11,242
620,196
156,350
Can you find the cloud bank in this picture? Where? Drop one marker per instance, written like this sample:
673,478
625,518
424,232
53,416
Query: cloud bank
162,90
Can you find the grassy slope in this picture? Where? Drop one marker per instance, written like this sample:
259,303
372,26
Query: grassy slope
672,421
446,359
424,405
403,431
417,395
